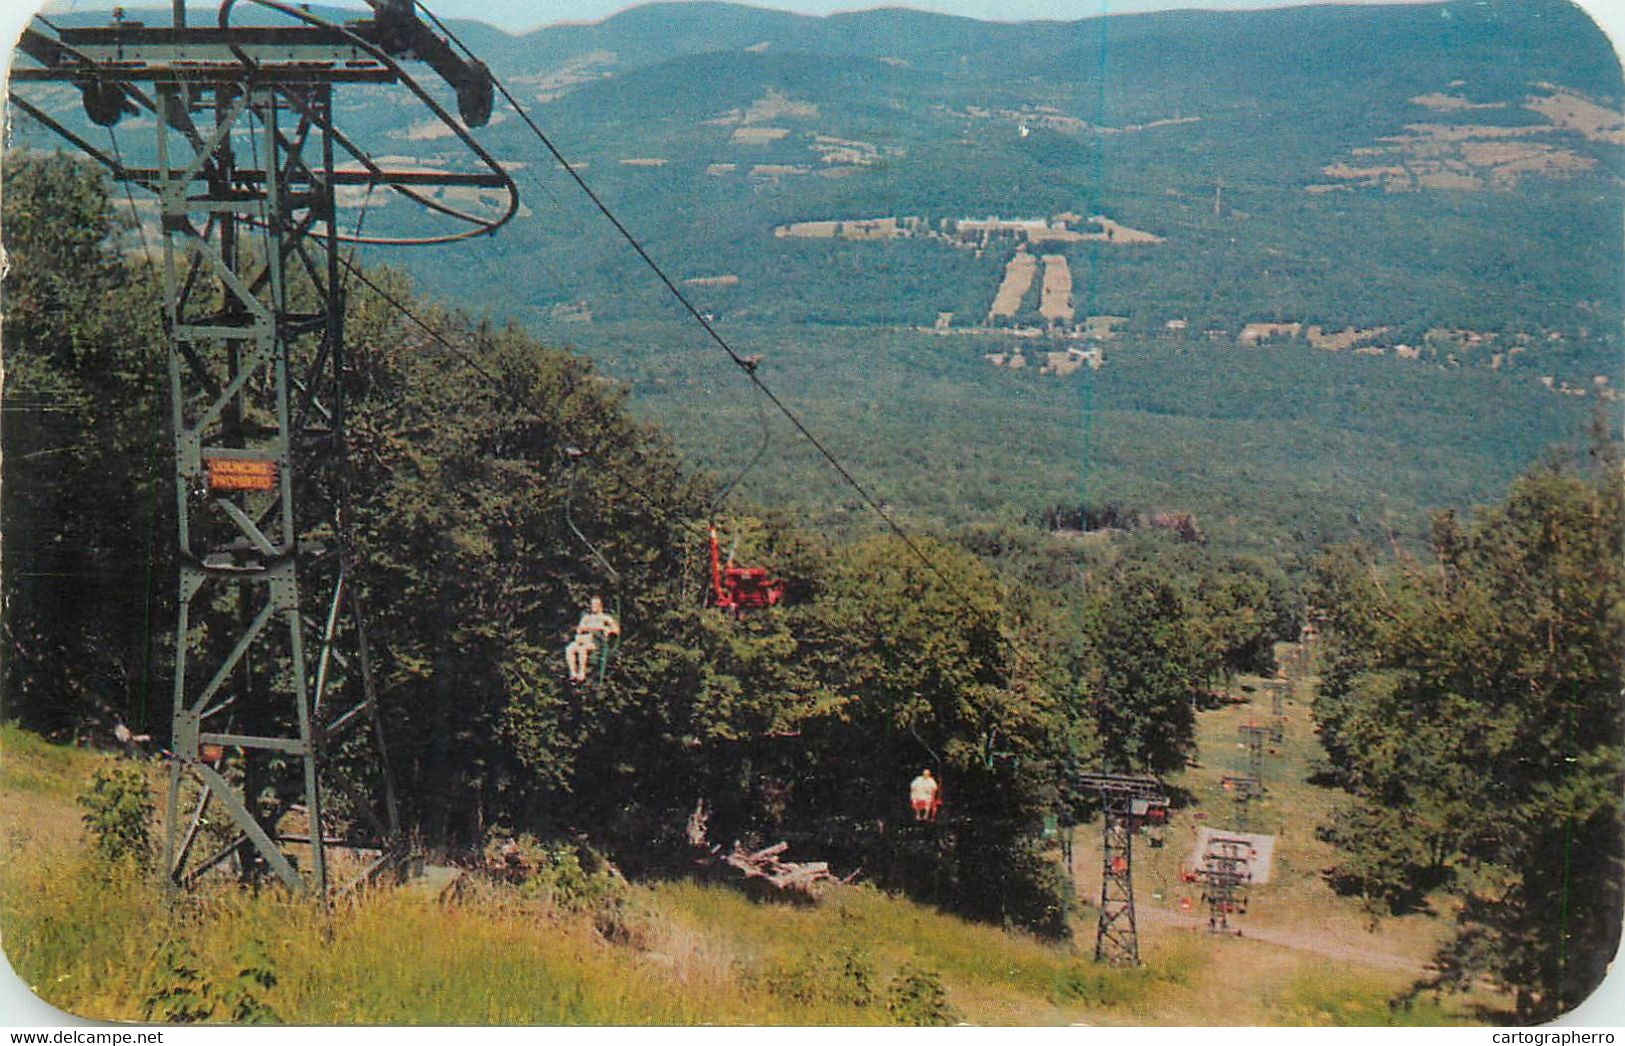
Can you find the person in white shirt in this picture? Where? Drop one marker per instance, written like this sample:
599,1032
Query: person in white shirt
922,796
592,623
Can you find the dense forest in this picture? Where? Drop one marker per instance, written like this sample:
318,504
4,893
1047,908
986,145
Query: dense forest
1237,138
500,484
483,541
1472,704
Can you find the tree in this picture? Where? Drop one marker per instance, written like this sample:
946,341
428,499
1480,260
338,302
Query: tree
482,537
1473,709
925,666
1145,665
86,494
118,817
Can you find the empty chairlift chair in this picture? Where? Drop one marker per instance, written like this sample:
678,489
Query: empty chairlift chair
741,588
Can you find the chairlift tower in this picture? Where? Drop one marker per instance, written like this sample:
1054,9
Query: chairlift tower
1251,786
1223,872
1127,801
1256,734
272,670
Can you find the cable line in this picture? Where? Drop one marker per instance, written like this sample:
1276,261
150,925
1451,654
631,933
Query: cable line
495,381
746,366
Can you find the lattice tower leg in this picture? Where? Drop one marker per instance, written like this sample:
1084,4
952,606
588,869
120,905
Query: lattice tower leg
1116,935
256,415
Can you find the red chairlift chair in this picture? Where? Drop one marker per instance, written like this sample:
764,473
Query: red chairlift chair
741,588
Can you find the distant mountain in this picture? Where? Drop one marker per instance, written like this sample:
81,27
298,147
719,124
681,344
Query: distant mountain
1422,188
1342,165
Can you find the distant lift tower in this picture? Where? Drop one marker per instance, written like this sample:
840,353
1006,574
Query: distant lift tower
1127,802
272,668
1250,787
1225,871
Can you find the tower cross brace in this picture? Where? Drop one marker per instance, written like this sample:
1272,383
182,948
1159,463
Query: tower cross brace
272,668
1127,802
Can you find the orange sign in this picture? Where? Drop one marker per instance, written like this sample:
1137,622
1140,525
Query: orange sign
240,474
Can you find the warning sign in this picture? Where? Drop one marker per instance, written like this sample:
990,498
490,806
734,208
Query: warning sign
240,474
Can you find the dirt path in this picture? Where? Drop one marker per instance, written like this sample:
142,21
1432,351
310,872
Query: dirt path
1326,947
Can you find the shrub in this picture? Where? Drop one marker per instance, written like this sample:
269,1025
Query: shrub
845,977
244,994
119,814
917,999
176,991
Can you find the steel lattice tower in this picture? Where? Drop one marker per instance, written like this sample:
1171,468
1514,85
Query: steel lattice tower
272,669
1117,938
1127,802
1224,869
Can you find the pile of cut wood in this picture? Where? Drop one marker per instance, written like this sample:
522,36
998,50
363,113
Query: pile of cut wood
807,878
804,877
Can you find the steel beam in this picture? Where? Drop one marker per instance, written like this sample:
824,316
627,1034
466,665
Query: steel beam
243,684
257,402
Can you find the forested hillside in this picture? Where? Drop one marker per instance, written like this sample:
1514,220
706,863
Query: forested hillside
1143,348
484,540
1407,193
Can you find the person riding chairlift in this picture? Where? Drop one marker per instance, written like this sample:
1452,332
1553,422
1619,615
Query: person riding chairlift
593,622
925,796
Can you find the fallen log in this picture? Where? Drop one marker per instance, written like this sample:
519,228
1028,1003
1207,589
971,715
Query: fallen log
804,877
807,878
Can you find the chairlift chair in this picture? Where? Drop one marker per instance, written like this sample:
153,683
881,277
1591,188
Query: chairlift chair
741,588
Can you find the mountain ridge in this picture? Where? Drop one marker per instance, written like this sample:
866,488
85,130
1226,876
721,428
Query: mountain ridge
1375,196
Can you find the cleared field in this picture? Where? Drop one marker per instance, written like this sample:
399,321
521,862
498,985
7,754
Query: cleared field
1348,338
555,83
1116,232
1055,304
1507,160
1440,102
808,230
774,170
1103,328
1061,363
1253,333
844,151
776,105
1478,156
1446,179
758,135
1018,277
1573,113
870,229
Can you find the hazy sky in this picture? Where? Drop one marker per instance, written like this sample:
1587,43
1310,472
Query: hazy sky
518,15
527,14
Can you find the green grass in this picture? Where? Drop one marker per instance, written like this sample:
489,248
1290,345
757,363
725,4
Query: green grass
1319,1000
678,953
31,766
974,960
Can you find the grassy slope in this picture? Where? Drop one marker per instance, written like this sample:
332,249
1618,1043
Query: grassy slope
690,953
